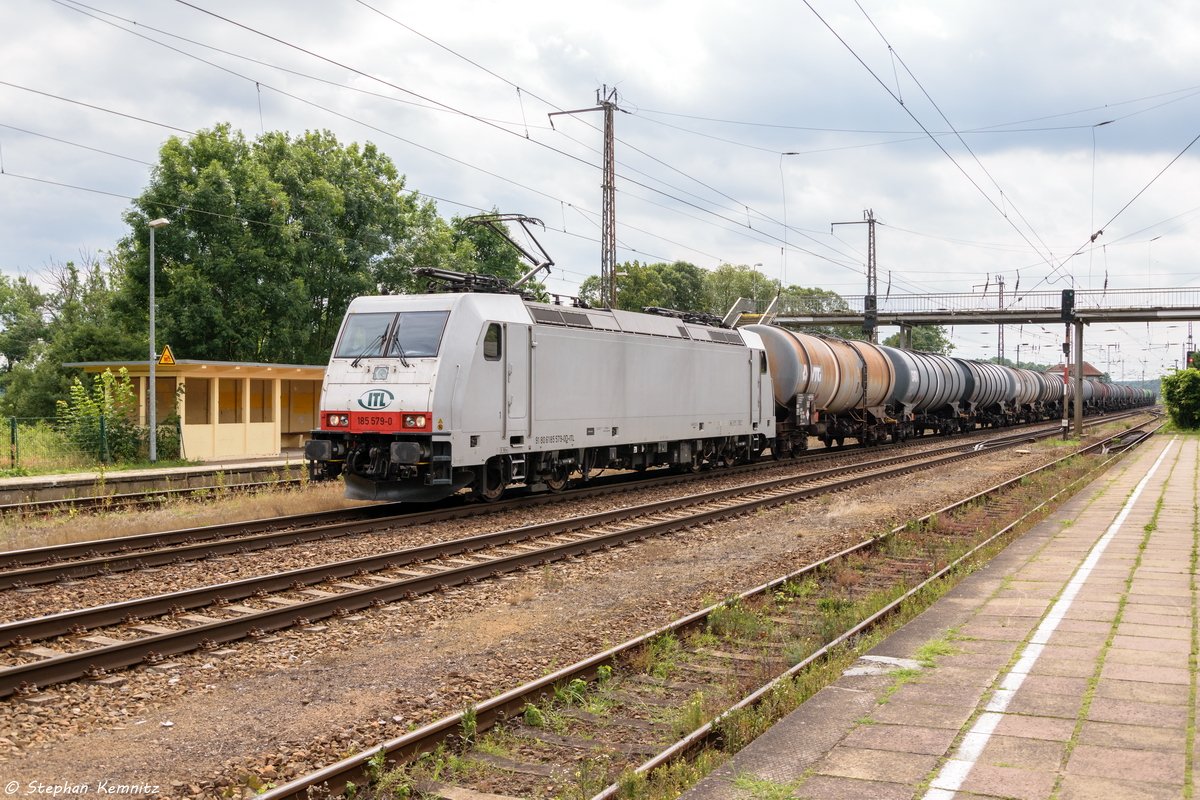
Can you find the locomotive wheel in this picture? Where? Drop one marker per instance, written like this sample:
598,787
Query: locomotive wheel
557,480
494,482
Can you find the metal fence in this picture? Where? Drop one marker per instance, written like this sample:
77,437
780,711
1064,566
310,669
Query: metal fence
46,444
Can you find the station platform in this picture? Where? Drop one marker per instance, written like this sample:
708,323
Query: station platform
227,471
1072,672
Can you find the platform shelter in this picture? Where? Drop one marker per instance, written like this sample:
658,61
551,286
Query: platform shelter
227,408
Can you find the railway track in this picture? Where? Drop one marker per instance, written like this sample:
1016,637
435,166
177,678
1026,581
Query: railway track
745,652
94,642
31,567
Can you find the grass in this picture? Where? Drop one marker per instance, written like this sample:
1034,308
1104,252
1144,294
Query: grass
762,789
43,449
736,619
64,528
934,649
659,657
837,594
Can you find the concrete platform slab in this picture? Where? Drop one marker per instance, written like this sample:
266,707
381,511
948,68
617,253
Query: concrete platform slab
1073,678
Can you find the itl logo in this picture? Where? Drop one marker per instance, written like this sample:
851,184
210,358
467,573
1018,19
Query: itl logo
376,399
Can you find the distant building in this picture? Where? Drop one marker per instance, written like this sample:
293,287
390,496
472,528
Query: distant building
1088,371
228,408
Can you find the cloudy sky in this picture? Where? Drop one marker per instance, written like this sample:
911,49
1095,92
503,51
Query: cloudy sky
990,139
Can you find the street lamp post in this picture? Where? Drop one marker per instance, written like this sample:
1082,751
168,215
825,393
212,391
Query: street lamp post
157,223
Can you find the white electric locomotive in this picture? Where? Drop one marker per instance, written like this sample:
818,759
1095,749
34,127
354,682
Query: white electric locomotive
428,394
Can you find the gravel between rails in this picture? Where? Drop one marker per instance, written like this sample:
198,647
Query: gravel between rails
276,709
96,591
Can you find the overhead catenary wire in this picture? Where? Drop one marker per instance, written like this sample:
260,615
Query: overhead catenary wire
415,94
403,139
559,108
1123,208
1048,258
1189,91
741,220
349,118
76,144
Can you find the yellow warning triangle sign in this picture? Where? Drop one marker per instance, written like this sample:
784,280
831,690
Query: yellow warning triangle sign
167,357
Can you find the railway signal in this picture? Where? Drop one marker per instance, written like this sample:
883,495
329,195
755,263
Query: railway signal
1068,305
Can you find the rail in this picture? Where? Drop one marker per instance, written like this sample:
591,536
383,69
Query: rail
356,769
700,509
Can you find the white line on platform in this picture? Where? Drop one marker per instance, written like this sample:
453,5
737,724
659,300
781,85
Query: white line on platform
954,772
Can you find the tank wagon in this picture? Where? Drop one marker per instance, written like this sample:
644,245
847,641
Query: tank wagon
429,394
833,389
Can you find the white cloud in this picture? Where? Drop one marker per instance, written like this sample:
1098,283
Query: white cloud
773,63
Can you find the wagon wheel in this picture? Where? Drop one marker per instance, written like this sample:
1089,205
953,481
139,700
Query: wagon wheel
491,484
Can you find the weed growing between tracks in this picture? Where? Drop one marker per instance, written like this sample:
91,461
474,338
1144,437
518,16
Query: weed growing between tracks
831,601
678,683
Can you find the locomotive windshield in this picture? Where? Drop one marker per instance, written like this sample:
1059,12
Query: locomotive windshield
412,334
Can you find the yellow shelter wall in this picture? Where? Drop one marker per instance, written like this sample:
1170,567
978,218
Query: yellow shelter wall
293,395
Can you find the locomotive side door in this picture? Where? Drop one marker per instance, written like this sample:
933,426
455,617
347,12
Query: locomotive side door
758,372
516,386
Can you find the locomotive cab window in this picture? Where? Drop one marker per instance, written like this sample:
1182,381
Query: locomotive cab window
417,334
491,342
411,334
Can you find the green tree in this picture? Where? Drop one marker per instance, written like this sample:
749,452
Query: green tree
22,320
479,248
1181,393
927,339
680,286
686,286
640,286
801,300
82,325
727,283
270,240
100,422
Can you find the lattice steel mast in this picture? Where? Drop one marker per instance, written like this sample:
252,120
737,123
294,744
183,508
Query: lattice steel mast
606,101
872,282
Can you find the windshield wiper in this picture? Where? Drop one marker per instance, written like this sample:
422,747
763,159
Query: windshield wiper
394,339
380,339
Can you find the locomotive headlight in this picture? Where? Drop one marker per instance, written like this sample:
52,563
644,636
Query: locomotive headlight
339,420
414,421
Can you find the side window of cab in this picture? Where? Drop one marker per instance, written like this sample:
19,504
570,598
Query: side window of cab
491,342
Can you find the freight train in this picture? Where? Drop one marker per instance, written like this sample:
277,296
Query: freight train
426,395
